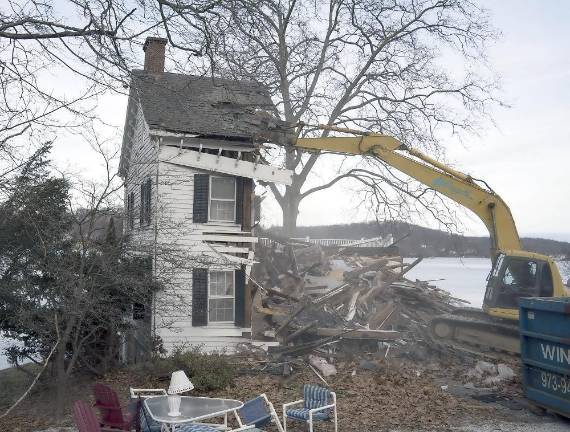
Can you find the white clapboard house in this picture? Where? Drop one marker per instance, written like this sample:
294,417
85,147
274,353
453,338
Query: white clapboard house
188,161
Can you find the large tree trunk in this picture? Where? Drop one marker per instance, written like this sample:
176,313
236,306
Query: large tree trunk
61,382
290,210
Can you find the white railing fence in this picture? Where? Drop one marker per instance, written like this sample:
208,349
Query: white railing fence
372,242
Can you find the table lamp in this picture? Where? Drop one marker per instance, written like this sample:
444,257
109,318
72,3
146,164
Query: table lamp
179,383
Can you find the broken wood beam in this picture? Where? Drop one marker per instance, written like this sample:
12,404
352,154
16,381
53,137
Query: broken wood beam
377,320
375,266
300,332
291,317
278,293
382,335
391,277
411,266
269,311
352,306
333,293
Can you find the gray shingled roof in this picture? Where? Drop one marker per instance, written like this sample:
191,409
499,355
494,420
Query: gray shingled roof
201,105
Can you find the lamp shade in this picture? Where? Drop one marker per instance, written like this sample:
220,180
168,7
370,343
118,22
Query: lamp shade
179,383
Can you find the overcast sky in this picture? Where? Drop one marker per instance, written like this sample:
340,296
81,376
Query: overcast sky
525,157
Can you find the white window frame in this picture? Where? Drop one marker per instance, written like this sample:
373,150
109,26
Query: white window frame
233,297
221,199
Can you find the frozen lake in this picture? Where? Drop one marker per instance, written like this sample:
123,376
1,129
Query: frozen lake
3,344
464,278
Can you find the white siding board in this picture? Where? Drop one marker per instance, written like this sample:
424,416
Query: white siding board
226,345
172,233
142,165
189,158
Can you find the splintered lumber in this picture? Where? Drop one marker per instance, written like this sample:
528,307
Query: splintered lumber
352,306
318,375
300,332
411,266
391,277
421,298
375,266
291,317
278,293
309,346
302,348
380,285
270,312
377,319
333,293
381,335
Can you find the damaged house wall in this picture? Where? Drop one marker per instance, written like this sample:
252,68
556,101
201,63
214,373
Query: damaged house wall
188,164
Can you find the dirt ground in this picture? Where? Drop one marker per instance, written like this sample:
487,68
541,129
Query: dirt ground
394,395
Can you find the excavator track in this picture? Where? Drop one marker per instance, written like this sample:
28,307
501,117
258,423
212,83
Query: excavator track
473,331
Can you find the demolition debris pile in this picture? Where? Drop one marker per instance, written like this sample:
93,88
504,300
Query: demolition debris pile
341,302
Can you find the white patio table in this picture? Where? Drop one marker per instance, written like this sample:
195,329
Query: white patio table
192,410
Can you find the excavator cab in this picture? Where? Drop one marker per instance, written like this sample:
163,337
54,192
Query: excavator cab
516,276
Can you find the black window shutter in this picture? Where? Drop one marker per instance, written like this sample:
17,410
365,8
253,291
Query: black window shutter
240,297
138,311
148,200
239,200
131,210
201,198
199,297
141,216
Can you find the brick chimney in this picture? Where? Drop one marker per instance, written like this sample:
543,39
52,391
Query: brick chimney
154,54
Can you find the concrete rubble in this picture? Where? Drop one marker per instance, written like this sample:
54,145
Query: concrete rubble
491,374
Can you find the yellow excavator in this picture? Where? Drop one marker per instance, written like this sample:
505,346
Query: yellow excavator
515,272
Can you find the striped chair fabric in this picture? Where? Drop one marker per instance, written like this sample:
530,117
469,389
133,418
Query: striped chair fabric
315,397
254,412
147,423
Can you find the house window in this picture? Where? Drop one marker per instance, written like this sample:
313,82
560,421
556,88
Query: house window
138,311
131,210
222,199
146,188
221,296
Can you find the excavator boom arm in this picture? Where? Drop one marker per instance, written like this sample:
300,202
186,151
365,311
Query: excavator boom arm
459,187
465,329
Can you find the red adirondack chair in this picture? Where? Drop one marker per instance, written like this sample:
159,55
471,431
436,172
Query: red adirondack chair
107,402
85,418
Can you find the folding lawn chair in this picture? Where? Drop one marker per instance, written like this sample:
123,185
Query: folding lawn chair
144,422
258,413
318,402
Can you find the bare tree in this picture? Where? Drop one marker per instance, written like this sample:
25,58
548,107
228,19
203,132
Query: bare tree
56,59
374,65
40,44
71,282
